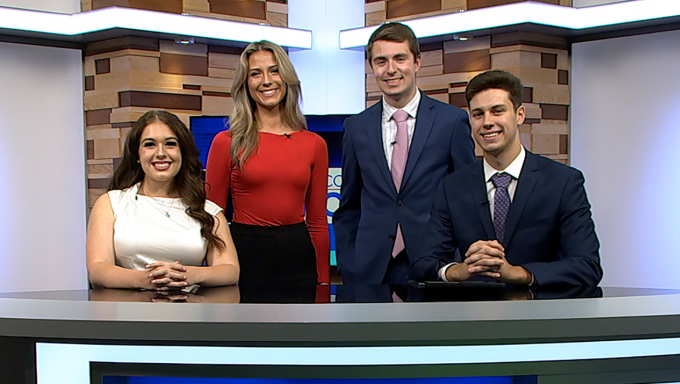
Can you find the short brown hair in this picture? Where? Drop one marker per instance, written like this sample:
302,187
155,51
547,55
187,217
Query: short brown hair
397,32
496,79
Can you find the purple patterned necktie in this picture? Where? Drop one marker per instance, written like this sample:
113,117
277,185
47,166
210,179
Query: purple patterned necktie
399,156
501,203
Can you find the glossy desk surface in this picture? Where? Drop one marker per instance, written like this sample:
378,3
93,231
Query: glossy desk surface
215,316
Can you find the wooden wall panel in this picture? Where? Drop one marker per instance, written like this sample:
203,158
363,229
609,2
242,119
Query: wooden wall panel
168,46
126,77
184,64
190,6
467,61
244,8
549,60
376,18
375,6
223,60
89,83
476,4
102,66
171,6
156,100
106,148
121,43
401,8
537,60
272,12
546,144
529,38
563,77
454,5
476,44
277,19
98,117
554,112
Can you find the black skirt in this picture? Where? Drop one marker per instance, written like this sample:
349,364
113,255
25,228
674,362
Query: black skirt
282,256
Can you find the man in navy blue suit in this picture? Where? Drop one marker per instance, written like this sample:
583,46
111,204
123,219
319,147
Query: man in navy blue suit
395,154
514,216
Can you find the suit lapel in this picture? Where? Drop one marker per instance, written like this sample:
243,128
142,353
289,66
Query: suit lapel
525,185
374,131
424,122
481,200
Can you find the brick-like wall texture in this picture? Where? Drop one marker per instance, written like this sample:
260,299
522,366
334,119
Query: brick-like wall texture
125,77
541,61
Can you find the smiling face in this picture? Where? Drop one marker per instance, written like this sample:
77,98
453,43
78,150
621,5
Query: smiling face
395,68
265,85
495,123
159,153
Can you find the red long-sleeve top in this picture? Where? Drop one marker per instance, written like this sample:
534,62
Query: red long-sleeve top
285,178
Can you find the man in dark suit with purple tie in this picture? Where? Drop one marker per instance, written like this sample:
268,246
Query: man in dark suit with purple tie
514,216
395,154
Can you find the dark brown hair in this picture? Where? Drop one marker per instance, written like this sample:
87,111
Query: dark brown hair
496,79
187,183
396,32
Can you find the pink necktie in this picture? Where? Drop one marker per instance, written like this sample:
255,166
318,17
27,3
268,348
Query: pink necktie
399,156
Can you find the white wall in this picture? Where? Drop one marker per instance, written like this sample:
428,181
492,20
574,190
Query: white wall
333,79
42,169
625,123
60,6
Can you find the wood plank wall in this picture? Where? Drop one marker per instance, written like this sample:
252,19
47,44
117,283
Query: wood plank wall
379,11
271,12
125,77
541,61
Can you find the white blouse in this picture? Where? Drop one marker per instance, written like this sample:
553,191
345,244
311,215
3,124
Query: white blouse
149,229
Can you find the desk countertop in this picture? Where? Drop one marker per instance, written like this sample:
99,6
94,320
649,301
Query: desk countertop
73,315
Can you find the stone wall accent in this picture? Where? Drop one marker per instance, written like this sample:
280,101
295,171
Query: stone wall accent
125,77
541,61
379,11
271,12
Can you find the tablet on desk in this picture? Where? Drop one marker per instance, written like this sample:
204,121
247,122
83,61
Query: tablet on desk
458,284
459,290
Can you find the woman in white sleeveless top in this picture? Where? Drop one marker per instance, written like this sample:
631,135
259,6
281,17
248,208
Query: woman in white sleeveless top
154,229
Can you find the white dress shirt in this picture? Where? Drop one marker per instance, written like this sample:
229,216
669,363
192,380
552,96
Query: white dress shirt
514,170
389,126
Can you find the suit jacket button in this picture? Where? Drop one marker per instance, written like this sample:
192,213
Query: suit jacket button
400,203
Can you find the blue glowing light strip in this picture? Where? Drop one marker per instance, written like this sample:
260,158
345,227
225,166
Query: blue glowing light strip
527,12
142,20
61,363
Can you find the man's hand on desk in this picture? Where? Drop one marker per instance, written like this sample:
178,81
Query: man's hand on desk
487,258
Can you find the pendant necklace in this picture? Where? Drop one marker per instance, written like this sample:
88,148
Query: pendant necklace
158,203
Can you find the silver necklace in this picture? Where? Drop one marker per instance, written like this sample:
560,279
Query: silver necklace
158,203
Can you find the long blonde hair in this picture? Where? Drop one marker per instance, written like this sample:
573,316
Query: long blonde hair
243,127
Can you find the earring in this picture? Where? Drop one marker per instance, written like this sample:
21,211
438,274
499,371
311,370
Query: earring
138,161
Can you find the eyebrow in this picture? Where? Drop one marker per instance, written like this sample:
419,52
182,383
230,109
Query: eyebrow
258,68
396,55
167,138
492,107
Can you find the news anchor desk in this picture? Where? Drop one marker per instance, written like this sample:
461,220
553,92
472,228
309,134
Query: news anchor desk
613,335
